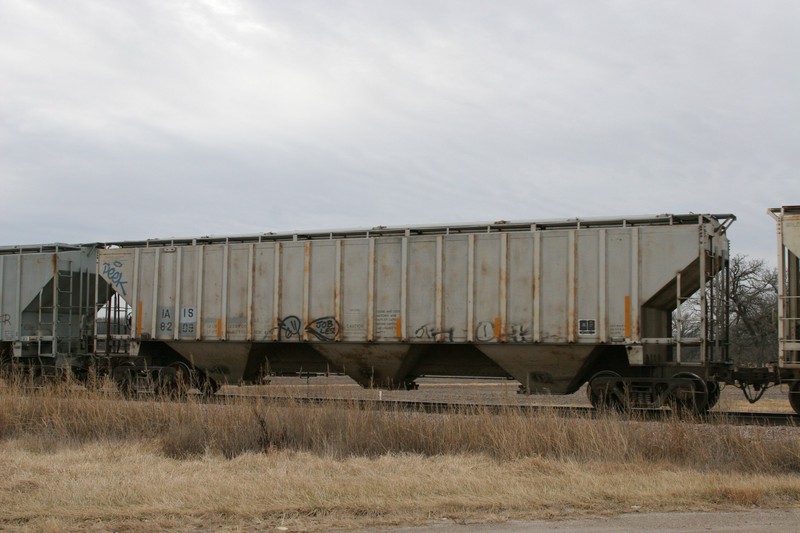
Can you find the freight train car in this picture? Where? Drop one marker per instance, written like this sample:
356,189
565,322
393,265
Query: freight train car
551,304
48,304
788,368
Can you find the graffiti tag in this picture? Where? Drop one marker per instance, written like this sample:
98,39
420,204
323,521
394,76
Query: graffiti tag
485,331
427,331
5,319
323,329
289,327
517,333
115,276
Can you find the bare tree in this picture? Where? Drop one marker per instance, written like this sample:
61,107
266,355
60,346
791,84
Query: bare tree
752,312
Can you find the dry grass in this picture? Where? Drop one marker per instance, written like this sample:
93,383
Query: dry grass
133,486
72,459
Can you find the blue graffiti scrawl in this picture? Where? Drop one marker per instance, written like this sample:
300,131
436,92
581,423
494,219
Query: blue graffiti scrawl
115,276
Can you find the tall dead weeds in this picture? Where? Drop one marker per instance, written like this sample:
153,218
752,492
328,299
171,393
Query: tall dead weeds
49,418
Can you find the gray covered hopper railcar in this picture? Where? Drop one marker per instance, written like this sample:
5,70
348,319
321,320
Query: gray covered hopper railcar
550,304
48,304
787,220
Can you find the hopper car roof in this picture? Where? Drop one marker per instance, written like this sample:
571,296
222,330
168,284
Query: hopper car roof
723,220
785,210
47,248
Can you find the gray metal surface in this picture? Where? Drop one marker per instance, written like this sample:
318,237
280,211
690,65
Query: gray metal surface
537,301
787,219
48,301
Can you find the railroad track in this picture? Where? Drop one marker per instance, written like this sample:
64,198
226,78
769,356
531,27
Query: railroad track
441,407
719,417
760,419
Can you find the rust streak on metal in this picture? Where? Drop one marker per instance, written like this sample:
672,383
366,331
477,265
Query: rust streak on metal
251,254
277,292
337,290
306,286
504,253
439,286
139,309
627,316
371,290
572,281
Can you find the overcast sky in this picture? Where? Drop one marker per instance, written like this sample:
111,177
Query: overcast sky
129,120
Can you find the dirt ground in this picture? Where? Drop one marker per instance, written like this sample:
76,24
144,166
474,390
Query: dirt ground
745,521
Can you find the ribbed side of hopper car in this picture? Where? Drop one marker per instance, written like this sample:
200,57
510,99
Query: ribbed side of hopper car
550,304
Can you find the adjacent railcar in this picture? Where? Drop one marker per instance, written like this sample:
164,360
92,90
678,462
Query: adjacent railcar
787,220
551,304
48,304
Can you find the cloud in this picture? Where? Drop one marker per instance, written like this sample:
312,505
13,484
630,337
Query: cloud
183,118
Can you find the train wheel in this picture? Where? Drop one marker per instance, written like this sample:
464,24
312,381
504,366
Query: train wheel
794,396
187,380
166,387
410,385
5,362
694,400
184,380
606,396
124,382
714,392
208,387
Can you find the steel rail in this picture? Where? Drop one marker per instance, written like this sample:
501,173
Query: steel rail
435,407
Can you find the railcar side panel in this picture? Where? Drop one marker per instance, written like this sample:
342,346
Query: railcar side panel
536,302
48,305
